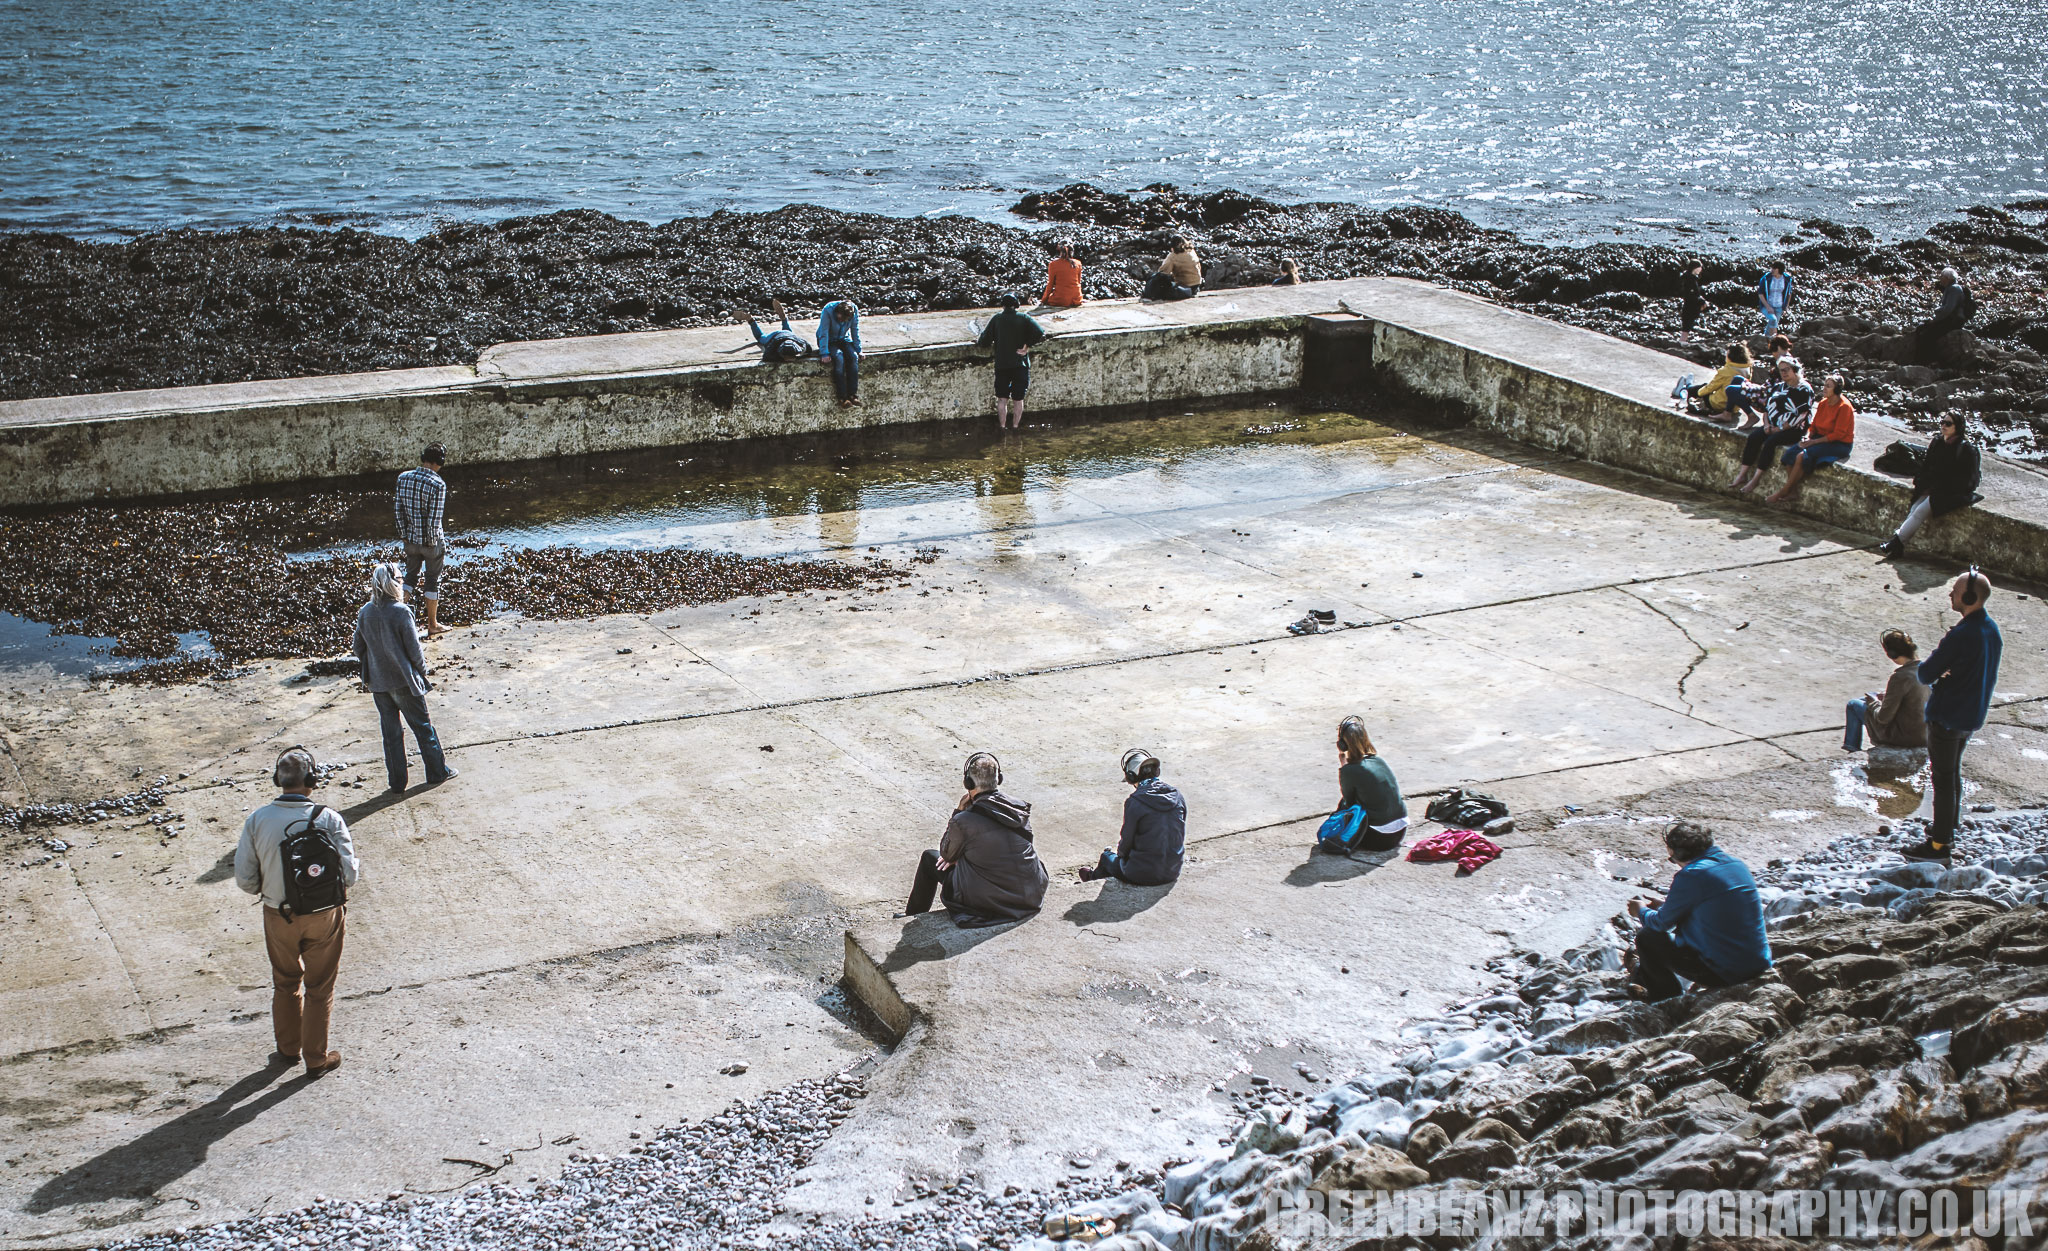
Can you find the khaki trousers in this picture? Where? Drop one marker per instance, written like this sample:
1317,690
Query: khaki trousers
304,951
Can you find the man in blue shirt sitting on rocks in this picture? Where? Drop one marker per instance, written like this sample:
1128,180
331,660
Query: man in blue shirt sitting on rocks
1710,927
1963,670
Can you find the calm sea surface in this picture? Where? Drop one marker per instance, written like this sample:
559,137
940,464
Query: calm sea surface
1559,118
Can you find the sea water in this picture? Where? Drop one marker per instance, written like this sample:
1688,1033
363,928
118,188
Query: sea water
1565,119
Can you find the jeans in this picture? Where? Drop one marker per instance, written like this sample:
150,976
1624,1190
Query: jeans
1661,961
1852,728
421,559
1756,452
846,370
1163,287
930,879
1916,516
390,706
1945,761
1772,316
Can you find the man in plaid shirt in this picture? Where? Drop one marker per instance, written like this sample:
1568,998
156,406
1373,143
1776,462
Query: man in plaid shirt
419,502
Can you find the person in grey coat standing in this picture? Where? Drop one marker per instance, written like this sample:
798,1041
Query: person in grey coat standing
387,642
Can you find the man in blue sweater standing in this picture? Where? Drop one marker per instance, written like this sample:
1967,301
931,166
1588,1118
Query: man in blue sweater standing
1963,670
1709,929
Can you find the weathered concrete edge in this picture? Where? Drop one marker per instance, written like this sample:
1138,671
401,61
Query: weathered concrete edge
866,982
215,446
1547,410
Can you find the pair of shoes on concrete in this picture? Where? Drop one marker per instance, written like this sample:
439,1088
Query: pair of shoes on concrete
1892,548
328,1065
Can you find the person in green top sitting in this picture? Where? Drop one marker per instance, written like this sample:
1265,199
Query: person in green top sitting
1365,780
1011,334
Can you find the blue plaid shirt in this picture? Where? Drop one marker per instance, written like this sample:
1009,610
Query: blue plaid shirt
421,496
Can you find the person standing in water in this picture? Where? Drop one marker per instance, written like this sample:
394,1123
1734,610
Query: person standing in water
1012,335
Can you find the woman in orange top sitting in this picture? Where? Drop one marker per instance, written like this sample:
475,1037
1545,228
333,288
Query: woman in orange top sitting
1827,442
1062,280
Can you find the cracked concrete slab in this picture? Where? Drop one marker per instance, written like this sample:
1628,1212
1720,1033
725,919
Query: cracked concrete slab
619,801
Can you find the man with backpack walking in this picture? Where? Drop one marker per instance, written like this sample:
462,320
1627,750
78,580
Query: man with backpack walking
296,855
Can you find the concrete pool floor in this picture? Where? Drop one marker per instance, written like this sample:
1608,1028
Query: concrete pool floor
626,891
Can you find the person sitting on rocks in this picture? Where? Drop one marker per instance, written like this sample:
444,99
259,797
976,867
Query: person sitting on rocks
1062,280
1709,929
839,344
779,345
1290,273
985,869
1955,309
1897,718
1774,296
1828,441
1154,839
1788,406
1179,276
1945,482
1711,397
1365,781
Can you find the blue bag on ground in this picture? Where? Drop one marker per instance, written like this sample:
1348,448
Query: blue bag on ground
1340,829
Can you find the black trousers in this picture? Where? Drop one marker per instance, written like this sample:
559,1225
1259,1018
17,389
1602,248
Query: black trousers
1945,761
1161,286
1660,962
930,880
1756,452
1929,334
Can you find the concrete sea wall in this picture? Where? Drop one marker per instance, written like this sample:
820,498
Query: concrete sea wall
1551,386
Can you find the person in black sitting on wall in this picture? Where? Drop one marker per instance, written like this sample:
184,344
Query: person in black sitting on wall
1945,482
1154,840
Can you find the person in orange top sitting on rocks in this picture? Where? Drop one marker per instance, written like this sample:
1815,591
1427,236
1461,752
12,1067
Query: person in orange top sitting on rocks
1828,440
1062,280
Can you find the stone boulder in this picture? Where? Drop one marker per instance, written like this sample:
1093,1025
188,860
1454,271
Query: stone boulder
1849,968
1371,1168
2011,1151
1798,1161
1427,1142
1475,1158
1999,1028
1700,1162
1875,1125
1815,1096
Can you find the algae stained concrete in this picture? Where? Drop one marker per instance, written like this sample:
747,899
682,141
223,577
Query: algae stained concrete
627,888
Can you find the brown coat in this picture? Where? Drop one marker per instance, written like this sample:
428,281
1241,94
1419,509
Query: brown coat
997,874
1184,268
1900,719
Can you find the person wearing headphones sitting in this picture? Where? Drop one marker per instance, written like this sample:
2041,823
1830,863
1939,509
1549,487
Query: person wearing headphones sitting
1154,840
296,855
985,869
1963,671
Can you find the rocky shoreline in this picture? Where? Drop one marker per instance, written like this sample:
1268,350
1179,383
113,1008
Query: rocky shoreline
188,307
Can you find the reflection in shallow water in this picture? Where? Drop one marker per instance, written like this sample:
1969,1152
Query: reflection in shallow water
1879,794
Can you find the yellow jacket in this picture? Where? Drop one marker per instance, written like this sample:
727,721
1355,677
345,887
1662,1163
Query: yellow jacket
1716,390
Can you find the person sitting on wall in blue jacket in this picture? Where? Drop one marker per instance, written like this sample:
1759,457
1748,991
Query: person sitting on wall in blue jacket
839,344
1710,927
1154,840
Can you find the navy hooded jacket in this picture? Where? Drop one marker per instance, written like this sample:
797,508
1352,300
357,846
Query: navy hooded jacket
1155,834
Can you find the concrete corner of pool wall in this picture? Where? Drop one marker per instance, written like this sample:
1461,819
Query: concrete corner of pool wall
1553,386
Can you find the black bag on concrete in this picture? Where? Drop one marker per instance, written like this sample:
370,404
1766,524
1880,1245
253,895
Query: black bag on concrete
1465,810
312,870
1901,459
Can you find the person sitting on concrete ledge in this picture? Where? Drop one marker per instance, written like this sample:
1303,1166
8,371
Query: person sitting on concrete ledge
1897,718
1709,929
1829,440
1290,273
1366,782
1154,840
1945,482
1062,280
839,344
986,869
1179,276
1787,408
1712,395
779,345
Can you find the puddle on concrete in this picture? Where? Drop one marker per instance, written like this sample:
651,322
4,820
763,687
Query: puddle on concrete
1880,794
25,643
618,499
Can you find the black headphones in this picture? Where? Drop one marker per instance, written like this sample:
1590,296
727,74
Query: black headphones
967,777
1140,764
277,770
1970,595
